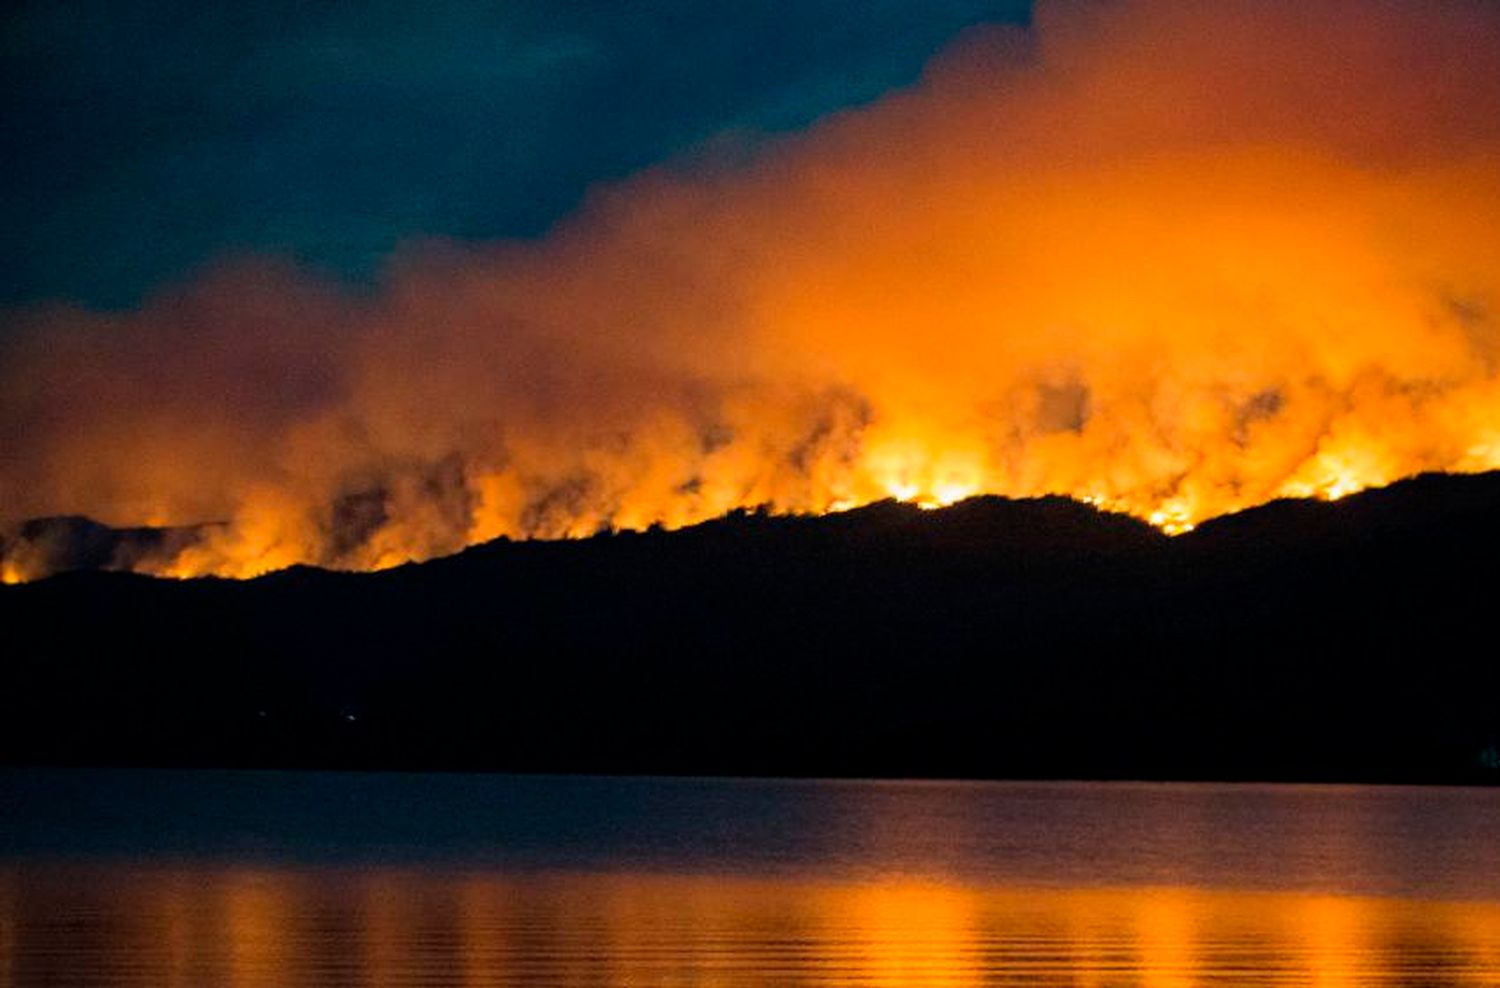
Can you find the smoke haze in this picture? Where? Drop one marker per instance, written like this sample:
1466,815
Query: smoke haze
1169,257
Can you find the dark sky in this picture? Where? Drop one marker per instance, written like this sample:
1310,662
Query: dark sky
143,138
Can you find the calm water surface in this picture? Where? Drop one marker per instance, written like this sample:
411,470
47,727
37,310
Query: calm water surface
270,879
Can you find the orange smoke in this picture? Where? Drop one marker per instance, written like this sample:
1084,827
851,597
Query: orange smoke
1171,257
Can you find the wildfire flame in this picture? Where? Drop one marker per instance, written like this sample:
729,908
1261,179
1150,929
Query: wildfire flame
1171,258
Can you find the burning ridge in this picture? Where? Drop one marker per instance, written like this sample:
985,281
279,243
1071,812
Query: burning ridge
1040,526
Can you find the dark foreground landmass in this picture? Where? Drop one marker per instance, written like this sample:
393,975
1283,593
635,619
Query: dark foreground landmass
1350,641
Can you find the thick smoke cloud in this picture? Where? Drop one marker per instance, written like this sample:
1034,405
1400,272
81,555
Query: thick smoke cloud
1172,257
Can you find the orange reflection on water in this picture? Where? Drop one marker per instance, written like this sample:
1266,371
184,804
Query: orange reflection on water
9,909
912,933
291,927
1164,931
483,917
257,911
176,934
1333,932
383,927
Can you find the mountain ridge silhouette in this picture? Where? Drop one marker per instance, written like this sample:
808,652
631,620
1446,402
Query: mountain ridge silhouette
1328,641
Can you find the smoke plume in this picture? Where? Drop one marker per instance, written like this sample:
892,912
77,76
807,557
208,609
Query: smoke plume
1175,258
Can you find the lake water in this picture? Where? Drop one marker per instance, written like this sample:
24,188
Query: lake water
277,879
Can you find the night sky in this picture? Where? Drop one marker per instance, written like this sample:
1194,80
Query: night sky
145,138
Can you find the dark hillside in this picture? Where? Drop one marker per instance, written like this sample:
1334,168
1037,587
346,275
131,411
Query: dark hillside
1346,640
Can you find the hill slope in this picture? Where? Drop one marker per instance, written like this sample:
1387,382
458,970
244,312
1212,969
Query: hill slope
996,638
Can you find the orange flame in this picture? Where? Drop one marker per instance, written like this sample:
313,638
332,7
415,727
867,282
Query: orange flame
1171,258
